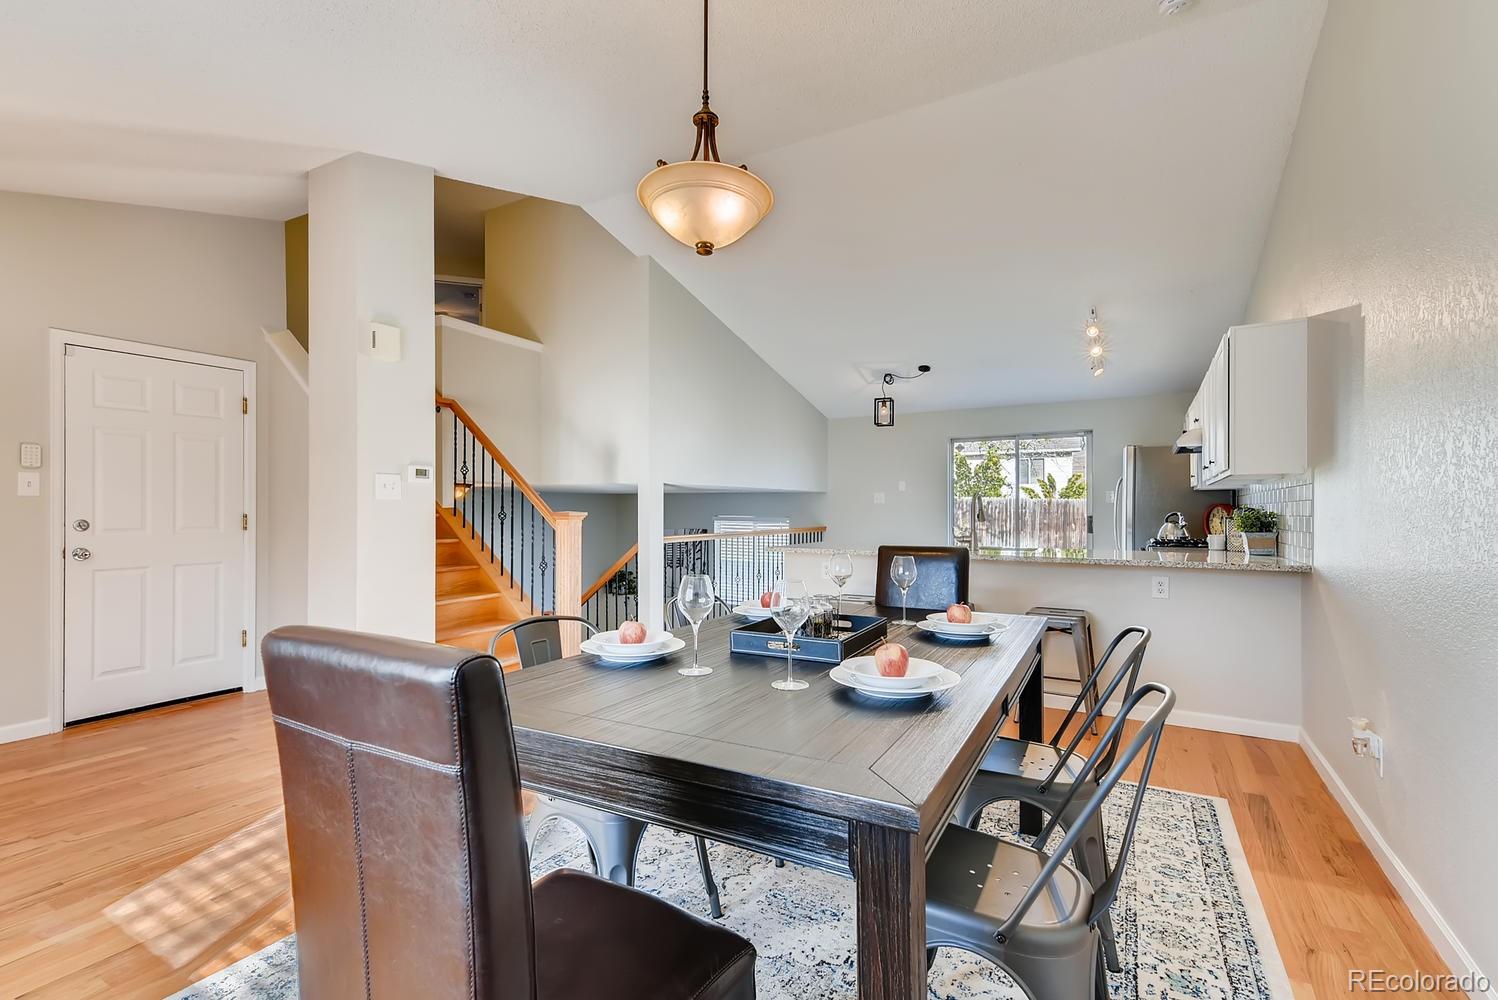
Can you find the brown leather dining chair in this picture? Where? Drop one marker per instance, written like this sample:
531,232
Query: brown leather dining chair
940,577
409,871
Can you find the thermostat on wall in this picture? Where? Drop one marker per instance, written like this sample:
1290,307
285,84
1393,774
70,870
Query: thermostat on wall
384,342
419,474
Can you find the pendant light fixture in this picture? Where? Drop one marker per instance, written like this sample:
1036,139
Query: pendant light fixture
884,406
706,204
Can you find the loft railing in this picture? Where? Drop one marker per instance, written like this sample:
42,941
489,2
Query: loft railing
536,549
615,596
742,564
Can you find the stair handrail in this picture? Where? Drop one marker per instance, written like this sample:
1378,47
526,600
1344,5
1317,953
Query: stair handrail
542,507
612,571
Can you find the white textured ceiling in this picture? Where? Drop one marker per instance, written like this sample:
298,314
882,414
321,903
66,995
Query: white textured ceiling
956,180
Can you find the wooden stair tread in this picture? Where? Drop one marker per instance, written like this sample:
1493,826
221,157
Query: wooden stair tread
480,595
487,628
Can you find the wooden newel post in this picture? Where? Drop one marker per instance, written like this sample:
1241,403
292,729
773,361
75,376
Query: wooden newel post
569,529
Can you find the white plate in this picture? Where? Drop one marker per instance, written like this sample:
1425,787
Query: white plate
919,674
983,623
943,682
608,642
752,611
642,657
945,631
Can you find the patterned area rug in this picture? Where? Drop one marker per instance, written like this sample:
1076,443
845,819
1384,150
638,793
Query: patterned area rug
1188,918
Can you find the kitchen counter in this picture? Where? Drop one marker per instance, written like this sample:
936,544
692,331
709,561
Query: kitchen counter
1195,559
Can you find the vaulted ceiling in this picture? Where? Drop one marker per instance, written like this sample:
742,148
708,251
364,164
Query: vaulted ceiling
957,181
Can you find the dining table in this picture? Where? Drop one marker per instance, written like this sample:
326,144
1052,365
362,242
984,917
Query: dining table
825,777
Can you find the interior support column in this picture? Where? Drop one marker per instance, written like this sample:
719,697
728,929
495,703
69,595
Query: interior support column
370,561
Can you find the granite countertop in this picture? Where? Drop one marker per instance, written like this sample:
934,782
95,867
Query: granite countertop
1153,558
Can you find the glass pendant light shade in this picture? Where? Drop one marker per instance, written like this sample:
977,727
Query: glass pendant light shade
705,204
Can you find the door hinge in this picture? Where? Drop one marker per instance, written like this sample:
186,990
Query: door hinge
244,404
244,522
244,637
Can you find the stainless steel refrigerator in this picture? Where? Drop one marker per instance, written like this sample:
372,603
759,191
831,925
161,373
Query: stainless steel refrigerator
1155,482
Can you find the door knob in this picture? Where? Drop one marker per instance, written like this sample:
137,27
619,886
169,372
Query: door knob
81,554
80,525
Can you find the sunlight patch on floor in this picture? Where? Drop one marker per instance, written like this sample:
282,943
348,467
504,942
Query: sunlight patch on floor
196,907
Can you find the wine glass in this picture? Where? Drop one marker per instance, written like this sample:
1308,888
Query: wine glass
902,572
790,607
840,569
696,597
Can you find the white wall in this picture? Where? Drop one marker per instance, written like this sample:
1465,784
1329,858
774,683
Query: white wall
499,384
697,510
180,279
719,415
864,460
370,260
1389,205
554,275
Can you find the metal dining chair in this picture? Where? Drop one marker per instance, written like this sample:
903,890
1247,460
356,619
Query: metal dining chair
613,839
1027,911
1045,774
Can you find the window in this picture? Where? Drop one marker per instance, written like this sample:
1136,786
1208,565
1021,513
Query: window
1021,491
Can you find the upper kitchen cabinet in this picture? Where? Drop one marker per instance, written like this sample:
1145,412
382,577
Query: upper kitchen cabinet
1251,408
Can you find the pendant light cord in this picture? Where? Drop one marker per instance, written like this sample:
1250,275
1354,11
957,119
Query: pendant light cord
704,53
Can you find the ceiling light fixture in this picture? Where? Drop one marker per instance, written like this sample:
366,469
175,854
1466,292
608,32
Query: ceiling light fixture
1097,344
884,406
705,204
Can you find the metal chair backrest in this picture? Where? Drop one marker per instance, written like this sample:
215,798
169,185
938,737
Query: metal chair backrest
1127,670
1145,741
676,618
538,640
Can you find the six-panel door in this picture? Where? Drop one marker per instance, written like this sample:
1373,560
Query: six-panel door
154,538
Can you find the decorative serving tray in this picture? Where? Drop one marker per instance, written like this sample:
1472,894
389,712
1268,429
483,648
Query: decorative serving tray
854,635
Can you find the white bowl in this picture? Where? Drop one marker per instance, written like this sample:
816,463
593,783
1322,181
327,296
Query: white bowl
866,673
636,656
983,623
752,610
945,681
655,639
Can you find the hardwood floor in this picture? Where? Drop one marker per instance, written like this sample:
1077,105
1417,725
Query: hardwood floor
140,854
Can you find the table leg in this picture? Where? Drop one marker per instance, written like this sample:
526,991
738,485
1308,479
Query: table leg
1032,728
891,876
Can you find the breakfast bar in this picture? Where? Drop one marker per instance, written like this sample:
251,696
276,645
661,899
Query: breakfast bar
1227,627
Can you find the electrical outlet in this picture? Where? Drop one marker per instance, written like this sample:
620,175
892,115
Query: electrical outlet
1113,496
1160,587
879,498
1367,743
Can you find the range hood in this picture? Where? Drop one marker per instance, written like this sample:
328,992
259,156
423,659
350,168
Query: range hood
1190,441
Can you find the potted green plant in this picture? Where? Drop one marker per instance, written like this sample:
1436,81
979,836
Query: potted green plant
1260,530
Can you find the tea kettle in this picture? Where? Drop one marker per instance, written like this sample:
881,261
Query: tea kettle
1174,528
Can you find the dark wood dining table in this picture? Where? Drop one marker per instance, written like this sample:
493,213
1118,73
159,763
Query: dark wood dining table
824,777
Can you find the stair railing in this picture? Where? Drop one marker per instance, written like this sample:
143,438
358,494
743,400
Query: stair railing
615,596
538,550
743,564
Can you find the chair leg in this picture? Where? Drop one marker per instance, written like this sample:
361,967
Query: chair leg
615,841
1082,641
780,862
1091,858
707,879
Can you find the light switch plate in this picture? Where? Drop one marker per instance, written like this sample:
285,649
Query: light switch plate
31,455
879,498
387,486
28,484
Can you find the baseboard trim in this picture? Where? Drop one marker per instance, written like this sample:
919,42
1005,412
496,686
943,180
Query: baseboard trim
1430,919
17,731
256,683
1282,731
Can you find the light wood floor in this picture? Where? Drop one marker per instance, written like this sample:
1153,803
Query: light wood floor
140,854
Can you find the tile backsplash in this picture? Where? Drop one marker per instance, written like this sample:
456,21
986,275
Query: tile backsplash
1292,500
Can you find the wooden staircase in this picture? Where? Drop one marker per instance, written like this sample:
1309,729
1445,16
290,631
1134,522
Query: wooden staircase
477,595
473,601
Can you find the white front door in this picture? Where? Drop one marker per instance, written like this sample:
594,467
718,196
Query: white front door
153,498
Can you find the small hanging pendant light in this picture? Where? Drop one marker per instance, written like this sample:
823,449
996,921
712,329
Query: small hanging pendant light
705,204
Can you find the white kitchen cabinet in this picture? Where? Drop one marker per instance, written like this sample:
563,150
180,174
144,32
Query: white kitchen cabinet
1252,407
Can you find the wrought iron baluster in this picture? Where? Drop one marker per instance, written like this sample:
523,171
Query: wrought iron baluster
452,470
